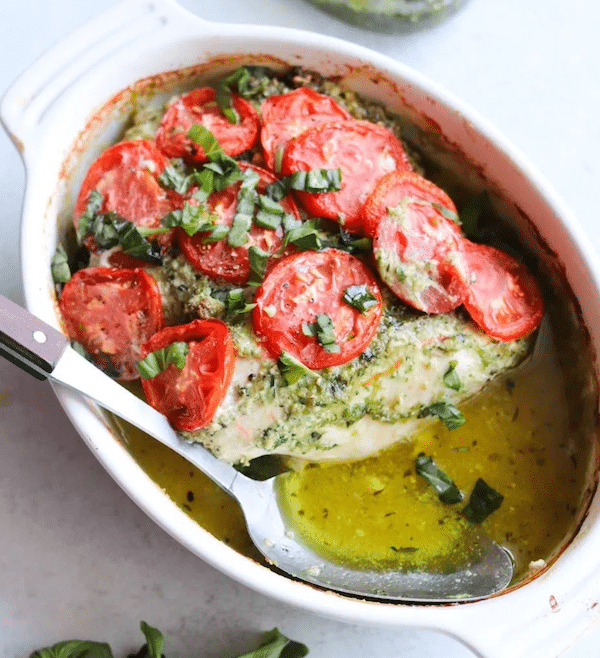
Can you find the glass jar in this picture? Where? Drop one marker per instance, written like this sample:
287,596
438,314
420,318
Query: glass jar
390,15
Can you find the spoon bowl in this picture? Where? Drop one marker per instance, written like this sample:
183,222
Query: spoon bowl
45,353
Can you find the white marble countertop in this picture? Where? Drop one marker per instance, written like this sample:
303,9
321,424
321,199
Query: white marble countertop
77,557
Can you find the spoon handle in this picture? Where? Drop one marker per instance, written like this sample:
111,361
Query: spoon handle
44,352
27,341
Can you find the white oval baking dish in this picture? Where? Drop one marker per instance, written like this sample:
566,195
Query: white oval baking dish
71,103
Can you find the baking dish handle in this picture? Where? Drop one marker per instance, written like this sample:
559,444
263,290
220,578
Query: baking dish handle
548,626
115,32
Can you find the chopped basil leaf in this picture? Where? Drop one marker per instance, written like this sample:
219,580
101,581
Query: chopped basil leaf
236,80
110,230
447,413
352,243
446,489
61,271
159,360
451,379
314,181
233,300
305,236
292,369
359,298
258,265
324,331
175,177
217,232
270,213
238,233
191,218
483,501
86,220
222,169
242,220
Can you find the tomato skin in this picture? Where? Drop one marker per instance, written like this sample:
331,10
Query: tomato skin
503,297
286,116
304,285
111,312
189,397
126,175
198,106
364,152
417,249
219,259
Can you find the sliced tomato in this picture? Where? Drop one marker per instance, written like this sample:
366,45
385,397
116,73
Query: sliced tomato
221,260
503,296
362,150
416,246
303,286
111,312
199,106
126,175
286,116
189,397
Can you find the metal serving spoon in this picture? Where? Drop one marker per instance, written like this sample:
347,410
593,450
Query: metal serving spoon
44,352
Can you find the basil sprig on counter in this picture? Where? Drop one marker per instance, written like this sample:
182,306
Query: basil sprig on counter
159,360
446,489
274,645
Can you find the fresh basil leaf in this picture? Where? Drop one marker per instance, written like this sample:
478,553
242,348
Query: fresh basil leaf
159,360
277,645
270,213
191,218
447,413
135,244
451,379
242,220
446,489
233,300
86,220
352,243
314,181
236,80
176,177
110,230
224,169
483,501
359,298
292,369
305,236
75,649
216,233
324,331
258,265
155,643
61,271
